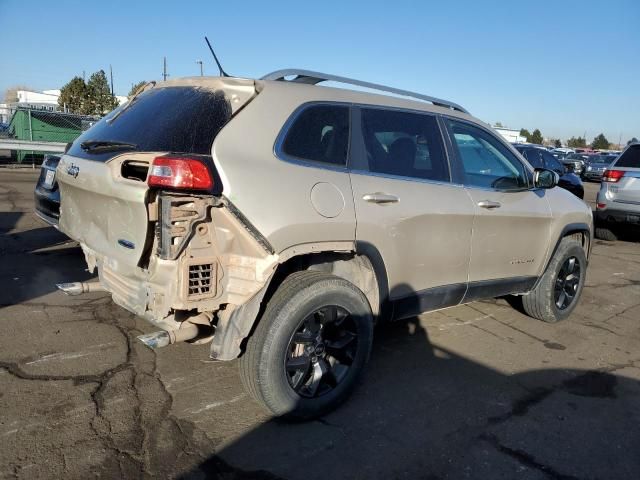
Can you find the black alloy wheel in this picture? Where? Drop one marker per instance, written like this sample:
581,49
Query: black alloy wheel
321,351
567,283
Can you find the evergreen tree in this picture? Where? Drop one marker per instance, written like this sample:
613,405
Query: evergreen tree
536,137
525,133
600,142
73,96
574,142
99,94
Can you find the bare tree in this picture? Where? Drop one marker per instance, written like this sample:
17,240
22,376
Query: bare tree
11,93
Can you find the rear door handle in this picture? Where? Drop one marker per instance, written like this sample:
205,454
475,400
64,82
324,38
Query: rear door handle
380,198
489,204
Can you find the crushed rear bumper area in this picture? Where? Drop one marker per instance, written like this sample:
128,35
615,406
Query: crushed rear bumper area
202,258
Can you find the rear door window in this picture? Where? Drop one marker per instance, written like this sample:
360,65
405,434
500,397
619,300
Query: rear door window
169,119
405,144
630,158
320,133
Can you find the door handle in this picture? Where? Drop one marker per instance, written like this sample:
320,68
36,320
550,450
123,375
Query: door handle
489,204
380,198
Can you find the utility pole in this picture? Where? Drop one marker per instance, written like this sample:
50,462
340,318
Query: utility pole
84,79
164,70
111,74
201,71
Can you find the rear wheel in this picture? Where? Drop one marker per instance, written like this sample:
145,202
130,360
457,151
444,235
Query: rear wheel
560,287
309,347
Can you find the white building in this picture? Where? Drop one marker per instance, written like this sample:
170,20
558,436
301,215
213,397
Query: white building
45,100
510,135
46,97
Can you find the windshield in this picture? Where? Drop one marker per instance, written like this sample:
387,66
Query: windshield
169,119
575,156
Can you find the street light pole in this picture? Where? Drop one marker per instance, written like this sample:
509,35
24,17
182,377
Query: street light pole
201,71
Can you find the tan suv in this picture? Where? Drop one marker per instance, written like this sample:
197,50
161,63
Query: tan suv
279,220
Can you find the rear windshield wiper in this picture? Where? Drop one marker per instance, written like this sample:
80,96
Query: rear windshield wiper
95,146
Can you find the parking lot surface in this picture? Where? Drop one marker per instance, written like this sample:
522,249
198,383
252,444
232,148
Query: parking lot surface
476,391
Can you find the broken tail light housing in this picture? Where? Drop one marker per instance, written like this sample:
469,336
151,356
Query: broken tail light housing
612,176
182,173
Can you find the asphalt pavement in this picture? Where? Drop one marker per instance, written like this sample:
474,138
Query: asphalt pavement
473,392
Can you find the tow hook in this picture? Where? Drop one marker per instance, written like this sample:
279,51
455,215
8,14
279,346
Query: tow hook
196,327
78,288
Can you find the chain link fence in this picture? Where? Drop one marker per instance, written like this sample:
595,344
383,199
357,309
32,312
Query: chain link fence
26,133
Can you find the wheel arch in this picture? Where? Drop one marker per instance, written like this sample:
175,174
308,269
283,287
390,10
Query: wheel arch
582,231
361,264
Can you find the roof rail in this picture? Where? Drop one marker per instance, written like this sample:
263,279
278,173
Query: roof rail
312,78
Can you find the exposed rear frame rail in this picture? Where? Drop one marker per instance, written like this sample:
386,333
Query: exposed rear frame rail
313,78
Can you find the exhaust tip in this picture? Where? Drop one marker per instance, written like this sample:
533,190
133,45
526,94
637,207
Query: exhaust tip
74,288
155,340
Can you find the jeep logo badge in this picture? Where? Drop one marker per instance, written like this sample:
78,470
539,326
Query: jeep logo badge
73,170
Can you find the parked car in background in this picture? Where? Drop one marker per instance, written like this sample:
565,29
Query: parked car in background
561,153
618,201
575,162
47,194
542,158
596,165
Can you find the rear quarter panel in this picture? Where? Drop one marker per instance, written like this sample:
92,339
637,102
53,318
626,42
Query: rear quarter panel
278,196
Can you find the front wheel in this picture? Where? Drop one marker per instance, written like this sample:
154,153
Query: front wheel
558,290
309,347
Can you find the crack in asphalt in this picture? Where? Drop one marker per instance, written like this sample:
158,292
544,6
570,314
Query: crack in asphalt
141,454
525,458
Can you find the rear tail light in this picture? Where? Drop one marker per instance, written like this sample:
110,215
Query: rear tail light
600,206
181,173
612,175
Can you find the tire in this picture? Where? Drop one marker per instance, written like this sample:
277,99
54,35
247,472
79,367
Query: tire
296,379
542,301
604,233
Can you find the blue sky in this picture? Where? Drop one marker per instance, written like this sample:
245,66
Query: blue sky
566,67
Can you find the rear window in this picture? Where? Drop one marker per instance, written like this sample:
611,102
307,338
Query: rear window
320,133
630,158
170,119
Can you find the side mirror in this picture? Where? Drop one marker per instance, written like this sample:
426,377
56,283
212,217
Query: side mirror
543,178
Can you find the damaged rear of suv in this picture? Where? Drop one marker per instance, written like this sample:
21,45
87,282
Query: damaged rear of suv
224,210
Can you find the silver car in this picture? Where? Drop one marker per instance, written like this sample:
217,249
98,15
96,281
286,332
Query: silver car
618,201
596,166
